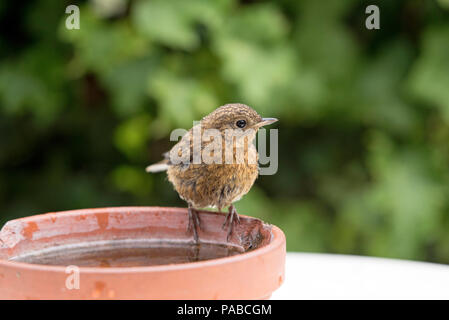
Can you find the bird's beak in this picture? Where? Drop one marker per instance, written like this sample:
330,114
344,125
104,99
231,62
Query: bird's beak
266,121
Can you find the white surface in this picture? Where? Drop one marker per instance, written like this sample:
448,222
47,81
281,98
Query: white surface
329,276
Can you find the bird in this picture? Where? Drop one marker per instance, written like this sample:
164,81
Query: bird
215,163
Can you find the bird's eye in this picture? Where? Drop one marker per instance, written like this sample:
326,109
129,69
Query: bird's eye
241,123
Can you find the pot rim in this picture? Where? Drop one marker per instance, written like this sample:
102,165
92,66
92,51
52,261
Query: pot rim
277,240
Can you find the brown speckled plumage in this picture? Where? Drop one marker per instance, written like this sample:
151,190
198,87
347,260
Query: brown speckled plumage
216,185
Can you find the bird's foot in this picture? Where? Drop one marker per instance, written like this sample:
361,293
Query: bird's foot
194,223
231,217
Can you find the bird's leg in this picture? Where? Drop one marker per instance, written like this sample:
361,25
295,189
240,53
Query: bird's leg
229,220
195,253
194,222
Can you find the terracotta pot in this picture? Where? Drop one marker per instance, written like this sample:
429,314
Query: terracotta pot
254,274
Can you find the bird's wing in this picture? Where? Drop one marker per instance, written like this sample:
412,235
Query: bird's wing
186,143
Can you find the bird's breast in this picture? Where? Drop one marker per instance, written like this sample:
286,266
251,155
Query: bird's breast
215,185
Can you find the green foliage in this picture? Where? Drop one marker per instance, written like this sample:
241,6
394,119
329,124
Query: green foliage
364,114
429,77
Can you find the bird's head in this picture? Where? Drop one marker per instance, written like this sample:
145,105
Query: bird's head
235,116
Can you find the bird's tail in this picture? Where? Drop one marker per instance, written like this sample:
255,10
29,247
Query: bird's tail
157,167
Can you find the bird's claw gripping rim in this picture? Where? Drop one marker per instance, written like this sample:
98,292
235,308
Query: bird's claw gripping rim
231,217
194,223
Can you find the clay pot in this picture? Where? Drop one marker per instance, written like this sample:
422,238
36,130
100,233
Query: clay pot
32,247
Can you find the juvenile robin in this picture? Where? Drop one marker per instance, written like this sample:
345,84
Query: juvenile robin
215,163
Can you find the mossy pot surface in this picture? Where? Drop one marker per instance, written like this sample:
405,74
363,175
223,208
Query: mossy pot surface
138,253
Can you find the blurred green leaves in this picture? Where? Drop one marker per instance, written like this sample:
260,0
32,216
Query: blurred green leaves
180,96
127,84
131,179
101,46
167,22
429,79
173,23
409,194
24,90
131,136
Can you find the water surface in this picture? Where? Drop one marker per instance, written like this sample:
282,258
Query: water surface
118,253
